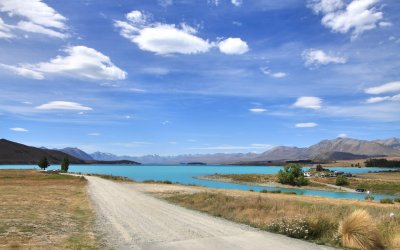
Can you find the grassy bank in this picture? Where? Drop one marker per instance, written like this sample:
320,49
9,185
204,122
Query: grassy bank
309,218
39,210
261,179
383,183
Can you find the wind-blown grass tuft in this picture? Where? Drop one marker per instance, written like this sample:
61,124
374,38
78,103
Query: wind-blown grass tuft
359,230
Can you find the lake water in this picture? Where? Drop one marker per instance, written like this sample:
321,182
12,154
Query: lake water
184,174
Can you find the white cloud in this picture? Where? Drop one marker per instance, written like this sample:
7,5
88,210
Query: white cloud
80,61
161,38
34,16
385,24
309,102
356,17
164,39
237,3
384,88
258,110
137,90
25,72
19,129
306,125
395,98
315,57
127,117
268,72
342,135
165,3
233,46
94,134
62,105
166,122
5,30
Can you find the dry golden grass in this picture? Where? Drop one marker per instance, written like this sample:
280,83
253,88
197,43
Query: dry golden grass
319,215
40,210
358,230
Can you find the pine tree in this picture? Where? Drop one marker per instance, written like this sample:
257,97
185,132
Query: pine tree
43,163
65,164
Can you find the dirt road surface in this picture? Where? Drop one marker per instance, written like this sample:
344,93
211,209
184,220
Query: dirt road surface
129,218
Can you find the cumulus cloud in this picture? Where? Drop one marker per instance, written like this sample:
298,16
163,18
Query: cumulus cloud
237,3
233,46
356,17
309,102
342,135
164,39
80,61
62,105
32,16
306,125
19,129
161,38
316,57
258,110
384,88
269,72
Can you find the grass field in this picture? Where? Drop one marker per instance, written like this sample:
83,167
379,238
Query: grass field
383,183
39,210
309,218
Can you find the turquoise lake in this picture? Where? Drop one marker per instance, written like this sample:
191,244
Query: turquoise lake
184,174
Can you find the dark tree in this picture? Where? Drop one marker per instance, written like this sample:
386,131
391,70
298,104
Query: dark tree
65,164
319,168
43,163
342,180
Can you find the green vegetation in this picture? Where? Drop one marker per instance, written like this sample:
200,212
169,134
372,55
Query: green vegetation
65,164
342,180
319,168
292,174
43,163
387,201
397,200
369,198
306,217
382,163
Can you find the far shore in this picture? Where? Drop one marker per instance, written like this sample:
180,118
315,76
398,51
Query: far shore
272,184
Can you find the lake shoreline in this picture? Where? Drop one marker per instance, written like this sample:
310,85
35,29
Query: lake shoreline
271,184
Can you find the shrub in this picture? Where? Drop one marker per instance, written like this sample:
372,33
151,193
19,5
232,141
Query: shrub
387,201
397,200
290,193
342,180
275,191
369,197
292,174
319,168
358,230
264,191
251,190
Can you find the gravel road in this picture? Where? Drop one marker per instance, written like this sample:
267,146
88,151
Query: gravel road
128,218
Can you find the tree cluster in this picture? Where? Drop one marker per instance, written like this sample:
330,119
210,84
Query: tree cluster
382,163
292,174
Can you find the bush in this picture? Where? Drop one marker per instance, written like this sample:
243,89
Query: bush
342,180
369,197
275,191
359,230
295,228
387,201
397,200
292,174
264,191
319,168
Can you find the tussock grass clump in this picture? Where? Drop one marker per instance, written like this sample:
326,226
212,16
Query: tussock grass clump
359,230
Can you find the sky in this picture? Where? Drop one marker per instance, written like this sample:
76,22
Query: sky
175,77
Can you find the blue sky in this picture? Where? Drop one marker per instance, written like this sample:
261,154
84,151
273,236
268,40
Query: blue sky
178,76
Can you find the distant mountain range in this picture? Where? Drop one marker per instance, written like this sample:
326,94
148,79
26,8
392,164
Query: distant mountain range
16,153
336,149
